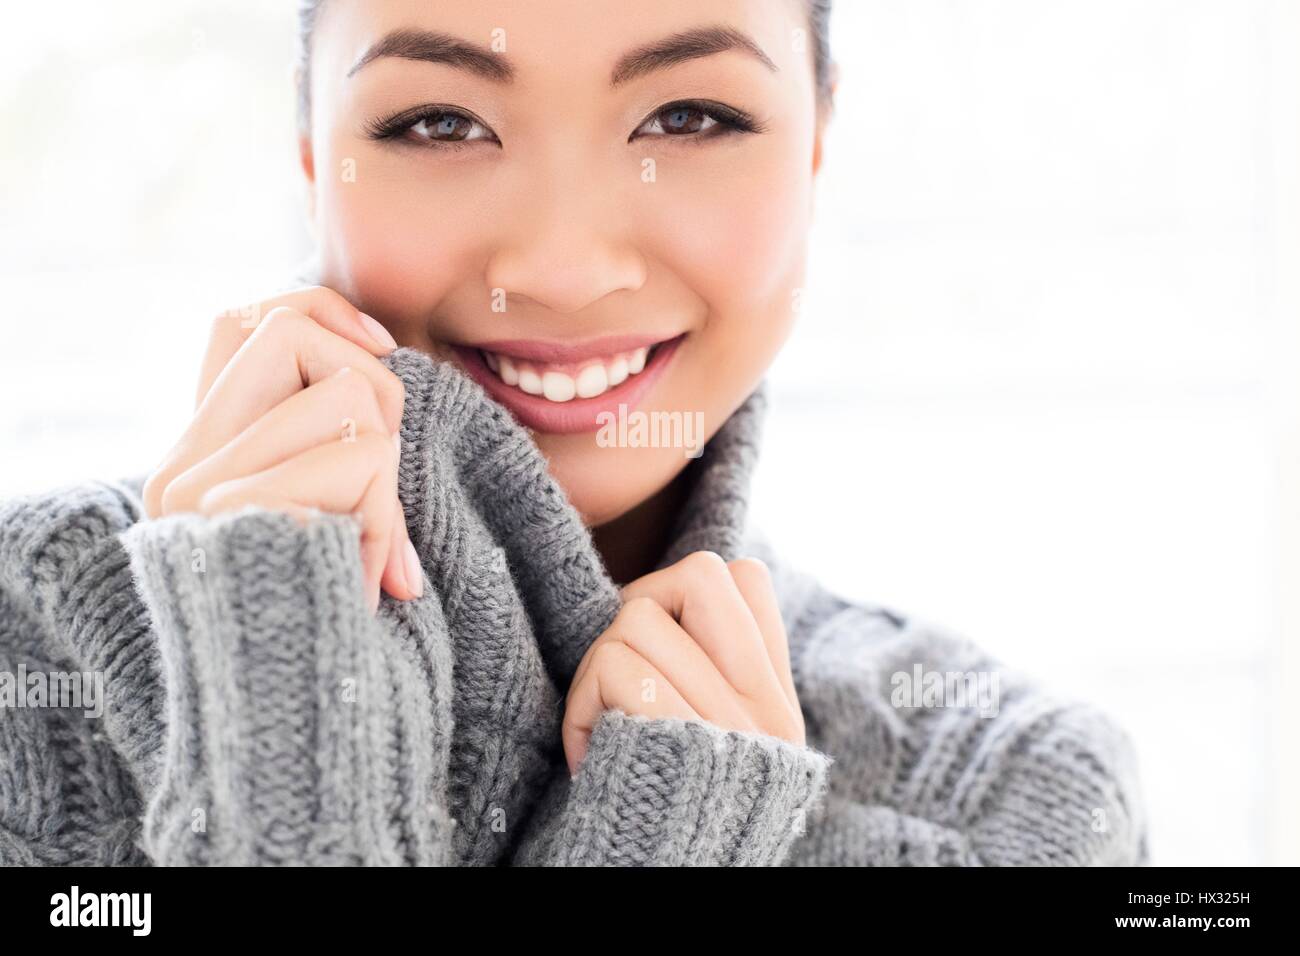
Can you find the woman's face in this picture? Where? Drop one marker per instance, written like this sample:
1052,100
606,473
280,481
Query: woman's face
502,183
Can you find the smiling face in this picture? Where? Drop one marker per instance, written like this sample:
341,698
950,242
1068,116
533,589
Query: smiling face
581,209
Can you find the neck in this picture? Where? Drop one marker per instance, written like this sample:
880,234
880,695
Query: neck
632,544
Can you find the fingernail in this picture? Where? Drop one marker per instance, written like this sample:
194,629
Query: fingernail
414,573
378,332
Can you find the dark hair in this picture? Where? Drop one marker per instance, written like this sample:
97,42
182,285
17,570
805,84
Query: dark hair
819,19
819,22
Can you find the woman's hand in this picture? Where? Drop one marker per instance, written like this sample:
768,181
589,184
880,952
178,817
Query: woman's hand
296,413
700,640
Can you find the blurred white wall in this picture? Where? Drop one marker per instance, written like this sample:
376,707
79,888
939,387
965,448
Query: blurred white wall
1045,387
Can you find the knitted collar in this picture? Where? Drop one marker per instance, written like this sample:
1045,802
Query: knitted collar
464,455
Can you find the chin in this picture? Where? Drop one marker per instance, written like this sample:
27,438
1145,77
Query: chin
604,484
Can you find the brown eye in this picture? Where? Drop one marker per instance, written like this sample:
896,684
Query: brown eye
683,119
678,120
444,128
696,119
433,125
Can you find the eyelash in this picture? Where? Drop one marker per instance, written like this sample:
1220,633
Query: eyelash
399,124
726,119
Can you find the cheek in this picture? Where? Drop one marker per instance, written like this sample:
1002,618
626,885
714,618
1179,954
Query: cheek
387,241
735,232
738,244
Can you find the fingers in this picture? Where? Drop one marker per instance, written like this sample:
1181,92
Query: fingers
754,582
701,640
358,478
700,593
296,413
324,306
287,353
617,678
339,408
649,630
403,571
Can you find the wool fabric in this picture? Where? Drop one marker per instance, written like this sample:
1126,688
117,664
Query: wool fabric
256,713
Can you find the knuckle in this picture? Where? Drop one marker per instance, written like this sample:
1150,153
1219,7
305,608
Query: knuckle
213,501
324,295
152,492
281,322
704,564
205,503
356,396
173,496
352,386
324,299
638,611
610,657
751,569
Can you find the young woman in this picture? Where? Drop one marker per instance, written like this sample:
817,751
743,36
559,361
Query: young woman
420,585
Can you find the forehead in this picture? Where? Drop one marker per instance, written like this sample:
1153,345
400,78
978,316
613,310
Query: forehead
545,40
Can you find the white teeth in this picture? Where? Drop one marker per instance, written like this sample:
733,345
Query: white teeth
592,381
530,381
557,387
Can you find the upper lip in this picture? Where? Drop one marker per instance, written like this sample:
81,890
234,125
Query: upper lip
559,353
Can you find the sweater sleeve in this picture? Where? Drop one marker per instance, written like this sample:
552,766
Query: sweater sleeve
947,757
1066,797
656,791
293,731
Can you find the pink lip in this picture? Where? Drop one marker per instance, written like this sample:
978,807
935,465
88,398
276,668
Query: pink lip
579,414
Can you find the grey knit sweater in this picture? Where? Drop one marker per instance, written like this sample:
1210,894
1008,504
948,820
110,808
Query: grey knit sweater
254,711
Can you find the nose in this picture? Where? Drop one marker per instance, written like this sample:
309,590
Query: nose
566,247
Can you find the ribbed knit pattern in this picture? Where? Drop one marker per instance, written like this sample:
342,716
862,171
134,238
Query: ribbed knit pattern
256,713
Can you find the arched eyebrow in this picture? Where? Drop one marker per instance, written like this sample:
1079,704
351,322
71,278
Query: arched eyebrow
687,45
432,47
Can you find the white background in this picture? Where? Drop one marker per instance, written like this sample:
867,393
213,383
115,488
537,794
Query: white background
1045,387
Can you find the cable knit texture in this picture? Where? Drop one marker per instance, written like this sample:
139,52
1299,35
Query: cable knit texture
256,713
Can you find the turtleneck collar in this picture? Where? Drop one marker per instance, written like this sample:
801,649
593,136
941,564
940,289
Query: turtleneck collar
463,453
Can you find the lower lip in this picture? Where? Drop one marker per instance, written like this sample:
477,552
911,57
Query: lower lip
578,414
